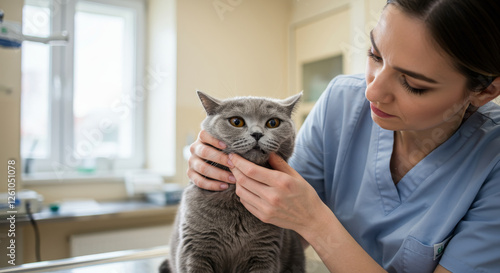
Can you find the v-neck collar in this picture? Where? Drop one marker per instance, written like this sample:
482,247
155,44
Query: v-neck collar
393,195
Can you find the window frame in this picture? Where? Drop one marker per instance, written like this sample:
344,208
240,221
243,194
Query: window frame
61,163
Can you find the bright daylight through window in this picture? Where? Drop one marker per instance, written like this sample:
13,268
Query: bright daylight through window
80,113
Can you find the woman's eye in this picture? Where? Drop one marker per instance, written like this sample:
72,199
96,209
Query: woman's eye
237,121
413,90
374,57
273,123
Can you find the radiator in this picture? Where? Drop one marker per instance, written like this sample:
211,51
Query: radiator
139,238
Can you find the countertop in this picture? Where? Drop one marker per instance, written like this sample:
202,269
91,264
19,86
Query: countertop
86,209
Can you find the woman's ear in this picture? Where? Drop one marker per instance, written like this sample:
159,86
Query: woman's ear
479,99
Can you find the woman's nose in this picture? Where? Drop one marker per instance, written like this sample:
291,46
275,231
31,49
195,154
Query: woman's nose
379,87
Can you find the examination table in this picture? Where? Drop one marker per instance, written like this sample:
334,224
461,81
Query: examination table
129,261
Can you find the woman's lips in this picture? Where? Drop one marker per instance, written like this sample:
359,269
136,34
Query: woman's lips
379,112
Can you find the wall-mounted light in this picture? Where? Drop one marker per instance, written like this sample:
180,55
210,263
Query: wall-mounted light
11,35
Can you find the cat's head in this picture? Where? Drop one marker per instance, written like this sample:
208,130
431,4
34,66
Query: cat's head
252,127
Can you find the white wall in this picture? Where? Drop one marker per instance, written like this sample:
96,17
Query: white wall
227,48
10,98
307,9
160,76
10,110
320,29
320,39
332,27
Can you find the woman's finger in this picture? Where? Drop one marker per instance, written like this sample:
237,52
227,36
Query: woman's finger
207,152
206,183
209,170
252,202
247,195
207,138
251,170
255,211
253,192
279,164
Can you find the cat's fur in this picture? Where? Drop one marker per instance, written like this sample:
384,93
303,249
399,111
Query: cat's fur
213,231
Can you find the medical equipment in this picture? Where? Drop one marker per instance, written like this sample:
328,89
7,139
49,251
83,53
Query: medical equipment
16,204
11,35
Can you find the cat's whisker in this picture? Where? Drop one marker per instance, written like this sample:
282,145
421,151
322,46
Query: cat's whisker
270,145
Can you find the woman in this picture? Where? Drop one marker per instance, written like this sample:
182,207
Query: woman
399,170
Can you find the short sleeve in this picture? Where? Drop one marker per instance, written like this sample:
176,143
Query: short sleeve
475,246
307,158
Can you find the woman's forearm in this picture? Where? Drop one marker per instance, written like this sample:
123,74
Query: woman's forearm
335,246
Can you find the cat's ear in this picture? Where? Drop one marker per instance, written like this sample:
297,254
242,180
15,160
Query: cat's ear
210,104
291,103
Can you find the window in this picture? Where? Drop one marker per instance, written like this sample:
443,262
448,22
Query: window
82,105
35,83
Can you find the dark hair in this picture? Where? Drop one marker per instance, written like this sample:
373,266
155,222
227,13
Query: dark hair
468,30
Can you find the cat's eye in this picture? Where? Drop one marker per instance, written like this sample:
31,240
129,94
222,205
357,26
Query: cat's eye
273,123
237,121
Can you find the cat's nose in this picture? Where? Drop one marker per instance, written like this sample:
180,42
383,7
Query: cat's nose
257,136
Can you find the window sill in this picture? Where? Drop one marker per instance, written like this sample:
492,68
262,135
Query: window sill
52,178
100,186
76,177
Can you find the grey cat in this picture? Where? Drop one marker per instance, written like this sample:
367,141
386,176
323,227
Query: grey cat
213,231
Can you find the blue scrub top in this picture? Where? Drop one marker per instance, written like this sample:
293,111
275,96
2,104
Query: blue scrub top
445,210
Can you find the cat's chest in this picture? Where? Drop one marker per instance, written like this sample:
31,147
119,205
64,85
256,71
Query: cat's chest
214,202
220,210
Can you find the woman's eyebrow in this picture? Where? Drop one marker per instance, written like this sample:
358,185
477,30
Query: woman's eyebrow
373,42
402,70
415,75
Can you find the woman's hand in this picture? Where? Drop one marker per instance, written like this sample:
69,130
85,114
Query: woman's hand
280,196
283,198
201,173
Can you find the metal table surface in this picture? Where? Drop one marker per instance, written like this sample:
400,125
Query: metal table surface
129,261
